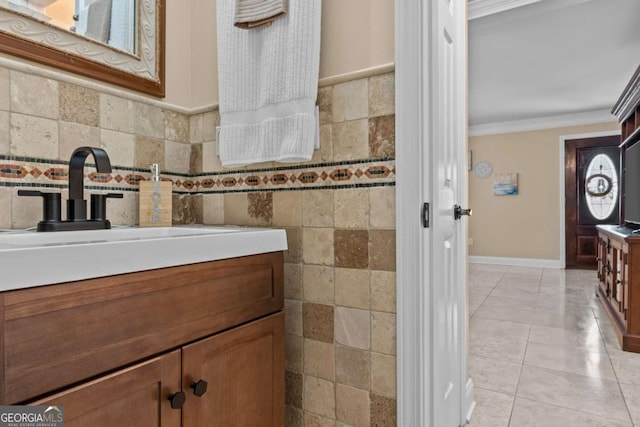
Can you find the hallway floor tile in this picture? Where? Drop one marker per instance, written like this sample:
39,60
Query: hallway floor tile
543,353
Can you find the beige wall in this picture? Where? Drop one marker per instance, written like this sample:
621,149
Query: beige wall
204,53
356,35
526,225
61,13
179,61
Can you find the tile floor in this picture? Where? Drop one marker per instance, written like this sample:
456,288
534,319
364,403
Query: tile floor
543,353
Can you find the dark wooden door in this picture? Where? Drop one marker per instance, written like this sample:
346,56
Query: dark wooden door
591,195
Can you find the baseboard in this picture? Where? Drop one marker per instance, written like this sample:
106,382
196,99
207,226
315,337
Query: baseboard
520,262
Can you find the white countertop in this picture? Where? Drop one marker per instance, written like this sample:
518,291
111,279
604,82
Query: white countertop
29,258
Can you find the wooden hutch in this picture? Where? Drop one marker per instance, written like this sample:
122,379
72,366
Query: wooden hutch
618,247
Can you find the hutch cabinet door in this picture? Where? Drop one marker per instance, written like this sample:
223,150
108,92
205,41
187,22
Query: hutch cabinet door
243,369
136,396
602,262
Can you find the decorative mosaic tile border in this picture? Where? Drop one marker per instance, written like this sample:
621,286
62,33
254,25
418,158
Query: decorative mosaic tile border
42,173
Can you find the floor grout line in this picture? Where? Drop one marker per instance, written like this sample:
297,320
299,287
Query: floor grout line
578,308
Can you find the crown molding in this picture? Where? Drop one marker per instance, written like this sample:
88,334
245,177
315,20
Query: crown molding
630,98
480,8
538,123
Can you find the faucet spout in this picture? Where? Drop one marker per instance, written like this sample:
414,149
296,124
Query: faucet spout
76,168
76,205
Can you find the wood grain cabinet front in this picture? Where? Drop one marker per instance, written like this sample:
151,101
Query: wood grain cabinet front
619,282
243,370
136,396
120,346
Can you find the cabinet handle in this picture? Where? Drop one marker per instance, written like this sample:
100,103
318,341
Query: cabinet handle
199,387
618,282
177,399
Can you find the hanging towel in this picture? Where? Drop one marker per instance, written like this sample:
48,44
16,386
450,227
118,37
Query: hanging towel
81,24
123,26
268,84
257,13
99,20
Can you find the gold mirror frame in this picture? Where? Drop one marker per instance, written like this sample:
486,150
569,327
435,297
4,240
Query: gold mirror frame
43,43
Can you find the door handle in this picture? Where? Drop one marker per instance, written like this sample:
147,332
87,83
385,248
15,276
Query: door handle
458,212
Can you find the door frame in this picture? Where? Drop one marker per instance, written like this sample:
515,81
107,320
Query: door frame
413,243
413,352
561,147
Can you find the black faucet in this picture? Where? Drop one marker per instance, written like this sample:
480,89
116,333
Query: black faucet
76,205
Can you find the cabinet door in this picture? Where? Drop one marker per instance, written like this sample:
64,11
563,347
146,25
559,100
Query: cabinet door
602,261
136,396
244,371
625,281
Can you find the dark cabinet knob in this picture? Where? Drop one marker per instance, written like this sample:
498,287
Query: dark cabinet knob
199,387
618,282
177,400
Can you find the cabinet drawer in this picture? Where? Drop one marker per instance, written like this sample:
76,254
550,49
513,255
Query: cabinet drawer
55,336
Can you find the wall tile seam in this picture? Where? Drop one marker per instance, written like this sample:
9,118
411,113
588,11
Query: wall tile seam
301,166
19,66
22,158
357,75
370,395
52,74
99,128
21,170
215,192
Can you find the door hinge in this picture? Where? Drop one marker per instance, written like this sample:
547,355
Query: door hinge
425,215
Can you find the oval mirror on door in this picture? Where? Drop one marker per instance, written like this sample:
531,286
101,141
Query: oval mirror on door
601,186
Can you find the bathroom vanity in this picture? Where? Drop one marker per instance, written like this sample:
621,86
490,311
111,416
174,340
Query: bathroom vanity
195,344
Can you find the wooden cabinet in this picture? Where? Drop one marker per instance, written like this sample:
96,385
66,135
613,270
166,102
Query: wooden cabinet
135,396
619,281
116,348
627,109
244,375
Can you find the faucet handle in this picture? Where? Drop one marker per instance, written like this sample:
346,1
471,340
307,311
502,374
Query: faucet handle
99,205
51,204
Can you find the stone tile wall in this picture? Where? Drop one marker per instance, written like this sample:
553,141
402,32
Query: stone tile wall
338,211
42,120
340,267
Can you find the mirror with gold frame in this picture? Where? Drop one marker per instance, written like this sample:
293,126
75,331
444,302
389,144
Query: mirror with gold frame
137,64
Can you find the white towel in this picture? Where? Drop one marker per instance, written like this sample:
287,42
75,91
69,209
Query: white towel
268,84
123,26
99,20
257,13
81,24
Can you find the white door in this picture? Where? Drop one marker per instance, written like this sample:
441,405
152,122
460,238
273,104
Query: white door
431,167
447,253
